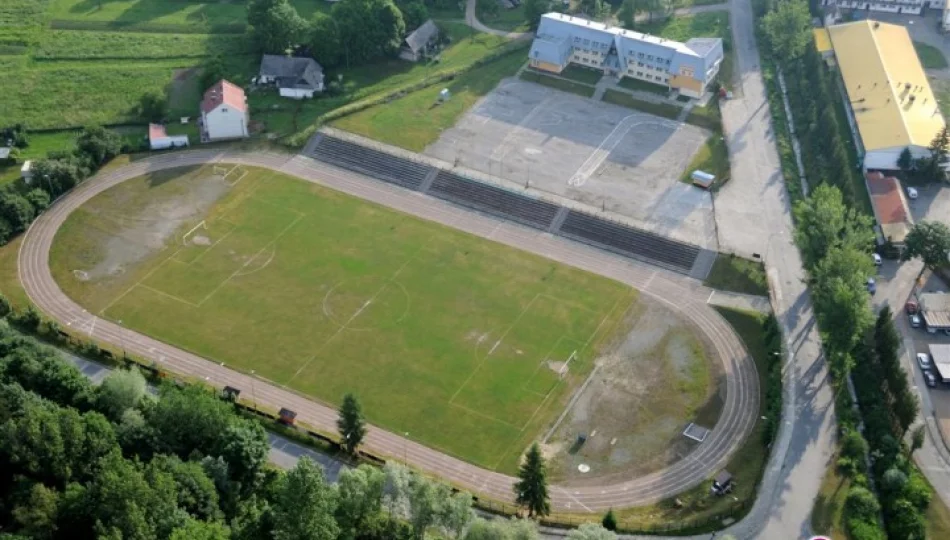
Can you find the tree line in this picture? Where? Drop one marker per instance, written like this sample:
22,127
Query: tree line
122,460
20,202
835,241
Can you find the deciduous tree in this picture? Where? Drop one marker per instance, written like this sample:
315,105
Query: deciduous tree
304,505
788,29
930,241
533,9
825,222
121,390
591,531
275,25
360,496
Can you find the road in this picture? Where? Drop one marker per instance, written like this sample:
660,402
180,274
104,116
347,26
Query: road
680,293
753,215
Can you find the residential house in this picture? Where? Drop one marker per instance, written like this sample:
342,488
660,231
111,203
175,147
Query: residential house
417,44
688,67
224,113
159,139
890,207
295,77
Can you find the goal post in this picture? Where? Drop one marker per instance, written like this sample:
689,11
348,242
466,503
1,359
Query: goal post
201,225
565,368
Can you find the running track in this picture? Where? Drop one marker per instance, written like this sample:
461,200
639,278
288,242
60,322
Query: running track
686,296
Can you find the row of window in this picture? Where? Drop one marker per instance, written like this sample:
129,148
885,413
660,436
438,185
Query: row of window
649,77
641,64
587,42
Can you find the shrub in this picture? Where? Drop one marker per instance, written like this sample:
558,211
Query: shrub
861,504
864,530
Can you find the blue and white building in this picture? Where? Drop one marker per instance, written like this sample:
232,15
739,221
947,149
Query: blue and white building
687,67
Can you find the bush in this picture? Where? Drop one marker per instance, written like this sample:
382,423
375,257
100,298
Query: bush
610,521
861,504
864,530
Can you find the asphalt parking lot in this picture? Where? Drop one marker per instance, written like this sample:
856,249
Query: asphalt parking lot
607,157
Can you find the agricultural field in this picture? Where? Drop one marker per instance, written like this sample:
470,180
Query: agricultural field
328,294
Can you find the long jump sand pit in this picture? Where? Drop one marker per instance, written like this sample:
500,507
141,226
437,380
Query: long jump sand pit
608,157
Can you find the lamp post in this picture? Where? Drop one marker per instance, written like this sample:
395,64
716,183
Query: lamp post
405,447
253,393
122,338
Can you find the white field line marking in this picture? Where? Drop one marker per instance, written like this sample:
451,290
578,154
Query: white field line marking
184,237
249,261
205,252
139,282
353,317
711,294
483,415
479,366
171,296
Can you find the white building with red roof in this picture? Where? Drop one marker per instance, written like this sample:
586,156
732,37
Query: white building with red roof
159,139
224,112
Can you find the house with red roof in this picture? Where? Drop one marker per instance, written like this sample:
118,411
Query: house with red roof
890,207
224,113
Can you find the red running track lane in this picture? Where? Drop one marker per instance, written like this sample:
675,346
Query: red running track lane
686,296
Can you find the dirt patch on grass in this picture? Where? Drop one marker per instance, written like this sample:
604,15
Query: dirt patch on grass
149,219
658,379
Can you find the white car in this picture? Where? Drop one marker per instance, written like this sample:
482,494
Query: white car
914,320
923,360
877,259
912,193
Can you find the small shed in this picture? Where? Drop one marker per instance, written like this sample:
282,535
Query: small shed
26,171
417,44
722,484
286,416
159,139
702,179
4,152
230,393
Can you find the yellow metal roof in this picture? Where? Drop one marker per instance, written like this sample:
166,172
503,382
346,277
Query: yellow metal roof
889,93
822,39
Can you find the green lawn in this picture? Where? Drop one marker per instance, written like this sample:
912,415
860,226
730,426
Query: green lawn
937,518
441,334
930,56
746,465
712,157
644,86
564,85
415,121
827,516
731,273
186,14
286,117
582,74
623,99
78,44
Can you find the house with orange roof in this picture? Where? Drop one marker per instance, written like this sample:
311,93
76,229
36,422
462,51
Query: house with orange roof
224,112
890,207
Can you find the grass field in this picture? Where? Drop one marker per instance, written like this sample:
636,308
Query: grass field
415,121
731,273
78,44
512,20
441,334
643,86
930,56
564,85
582,74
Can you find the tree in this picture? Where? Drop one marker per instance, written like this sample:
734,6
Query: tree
194,529
396,489
628,13
244,447
840,297
426,499
415,14
369,29
456,513
531,490
930,241
533,9
212,71
499,529
917,439
275,25
862,504
16,209
97,145
39,198
304,505
825,222
591,531
593,8
939,154
906,160
610,520
788,29
360,496
903,520
37,515
351,425
325,42
5,307
153,106
122,389
196,492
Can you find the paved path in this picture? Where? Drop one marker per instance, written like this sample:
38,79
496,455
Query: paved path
681,294
472,20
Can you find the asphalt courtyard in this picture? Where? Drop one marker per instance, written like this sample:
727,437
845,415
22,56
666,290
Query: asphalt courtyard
682,294
607,157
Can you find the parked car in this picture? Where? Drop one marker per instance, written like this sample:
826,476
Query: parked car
923,360
914,320
877,259
930,379
911,307
912,193
872,285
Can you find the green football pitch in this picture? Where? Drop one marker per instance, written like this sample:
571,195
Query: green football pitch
451,338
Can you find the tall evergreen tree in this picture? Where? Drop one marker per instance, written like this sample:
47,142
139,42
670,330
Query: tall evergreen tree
531,490
351,424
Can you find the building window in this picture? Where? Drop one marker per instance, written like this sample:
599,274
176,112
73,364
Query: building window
640,64
639,55
650,57
639,74
650,77
224,109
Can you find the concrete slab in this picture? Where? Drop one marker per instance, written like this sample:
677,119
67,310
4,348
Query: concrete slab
608,157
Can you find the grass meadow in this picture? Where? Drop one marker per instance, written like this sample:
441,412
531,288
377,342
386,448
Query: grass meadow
441,334
81,45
